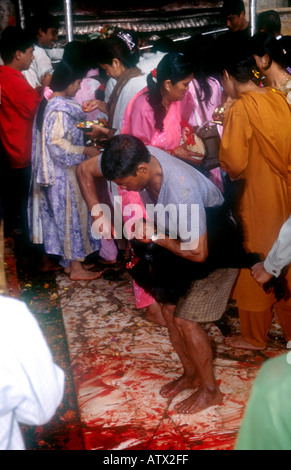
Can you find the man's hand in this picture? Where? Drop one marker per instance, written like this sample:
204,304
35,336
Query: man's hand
46,79
143,230
101,225
260,274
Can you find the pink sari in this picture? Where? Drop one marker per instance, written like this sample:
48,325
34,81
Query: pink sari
138,120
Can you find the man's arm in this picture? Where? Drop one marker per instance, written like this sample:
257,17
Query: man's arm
196,251
87,172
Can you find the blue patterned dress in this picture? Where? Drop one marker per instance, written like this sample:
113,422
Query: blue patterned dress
61,215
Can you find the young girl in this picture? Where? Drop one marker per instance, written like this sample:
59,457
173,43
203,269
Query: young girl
64,215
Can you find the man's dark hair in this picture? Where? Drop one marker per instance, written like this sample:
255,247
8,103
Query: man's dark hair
121,157
269,22
13,39
233,7
42,21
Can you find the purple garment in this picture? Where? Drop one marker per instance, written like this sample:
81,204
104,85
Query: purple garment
64,214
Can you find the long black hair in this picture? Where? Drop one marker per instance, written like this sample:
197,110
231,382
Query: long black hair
200,52
238,62
64,74
266,44
173,67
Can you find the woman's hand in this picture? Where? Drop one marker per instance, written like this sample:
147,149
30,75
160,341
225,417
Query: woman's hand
260,274
97,131
185,154
91,151
90,105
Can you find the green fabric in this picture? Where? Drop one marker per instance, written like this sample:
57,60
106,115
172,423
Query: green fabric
267,421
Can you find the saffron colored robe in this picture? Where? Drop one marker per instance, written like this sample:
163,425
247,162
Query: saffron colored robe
256,146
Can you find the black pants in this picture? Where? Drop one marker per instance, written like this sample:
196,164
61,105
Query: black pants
14,191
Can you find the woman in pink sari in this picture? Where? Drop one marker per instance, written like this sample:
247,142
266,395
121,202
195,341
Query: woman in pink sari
154,115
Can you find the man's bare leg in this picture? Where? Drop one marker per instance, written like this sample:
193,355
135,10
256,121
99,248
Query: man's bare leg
189,378
154,313
200,353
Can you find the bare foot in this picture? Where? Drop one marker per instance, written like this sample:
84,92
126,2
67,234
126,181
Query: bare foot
173,388
154,313
239,342
199,400
85,275
85,266
79,273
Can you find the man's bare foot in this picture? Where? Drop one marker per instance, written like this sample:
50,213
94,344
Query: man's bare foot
240,343
199,400
173,388
154,313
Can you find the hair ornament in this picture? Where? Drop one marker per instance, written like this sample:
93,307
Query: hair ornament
126,37
256,73
154,75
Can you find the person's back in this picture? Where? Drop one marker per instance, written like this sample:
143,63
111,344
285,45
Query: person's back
259,122
255,148
31,385
267,113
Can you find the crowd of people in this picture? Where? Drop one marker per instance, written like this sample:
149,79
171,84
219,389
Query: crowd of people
141,146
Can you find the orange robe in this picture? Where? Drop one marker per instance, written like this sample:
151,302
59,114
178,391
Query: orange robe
256,146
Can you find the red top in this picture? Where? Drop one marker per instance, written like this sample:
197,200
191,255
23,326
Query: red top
18,104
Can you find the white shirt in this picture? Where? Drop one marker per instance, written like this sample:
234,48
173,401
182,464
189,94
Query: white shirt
133,86
280,254
149,62
31,385
39,66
